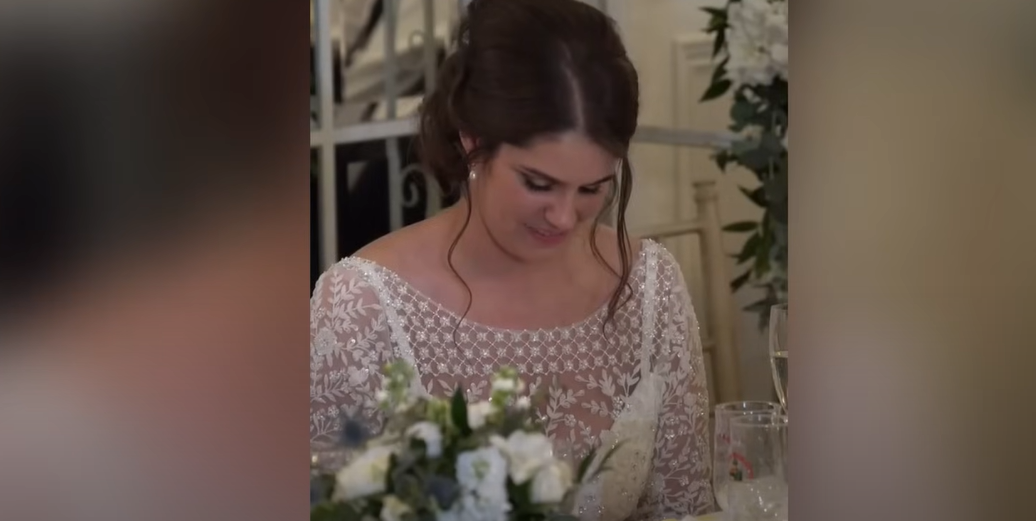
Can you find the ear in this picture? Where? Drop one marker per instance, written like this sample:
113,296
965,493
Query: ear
467,142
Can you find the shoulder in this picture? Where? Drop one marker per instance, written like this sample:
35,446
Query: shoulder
348,272
396,252
408,248
651,252
660,269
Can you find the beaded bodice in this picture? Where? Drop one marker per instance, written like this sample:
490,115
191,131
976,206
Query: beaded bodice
641,382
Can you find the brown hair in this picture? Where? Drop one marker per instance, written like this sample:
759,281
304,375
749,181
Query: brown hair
523,69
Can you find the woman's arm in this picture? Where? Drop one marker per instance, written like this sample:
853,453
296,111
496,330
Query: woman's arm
681,483
349,346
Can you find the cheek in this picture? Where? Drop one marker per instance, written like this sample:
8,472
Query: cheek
507,205
592,205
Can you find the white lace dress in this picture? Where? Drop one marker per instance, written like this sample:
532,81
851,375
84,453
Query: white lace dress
642,383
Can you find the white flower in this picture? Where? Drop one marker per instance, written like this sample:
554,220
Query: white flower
551,483
523,403
526,452
507,385
381,396
431,434
757,41
482,475
477,413
326,342
393,509
365,476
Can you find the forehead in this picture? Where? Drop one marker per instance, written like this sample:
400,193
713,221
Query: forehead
570,158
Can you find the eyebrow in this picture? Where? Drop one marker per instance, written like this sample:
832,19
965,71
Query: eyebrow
539,173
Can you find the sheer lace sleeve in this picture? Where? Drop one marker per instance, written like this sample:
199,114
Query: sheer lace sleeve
681,483
349,345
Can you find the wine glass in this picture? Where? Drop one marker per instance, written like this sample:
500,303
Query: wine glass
779,351
721,462
758,490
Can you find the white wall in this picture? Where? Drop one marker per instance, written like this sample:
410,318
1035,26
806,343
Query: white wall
669,95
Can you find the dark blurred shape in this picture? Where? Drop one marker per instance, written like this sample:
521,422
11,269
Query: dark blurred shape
153,260
113,136
40,144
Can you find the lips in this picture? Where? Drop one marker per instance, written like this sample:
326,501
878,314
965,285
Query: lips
545,237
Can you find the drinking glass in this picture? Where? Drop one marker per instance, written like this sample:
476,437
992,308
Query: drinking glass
721,461
758,490
779,351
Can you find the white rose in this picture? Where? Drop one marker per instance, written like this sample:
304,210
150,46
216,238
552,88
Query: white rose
478,412
483,471
526,452
365,476
393,509
523,403
430,434
551,483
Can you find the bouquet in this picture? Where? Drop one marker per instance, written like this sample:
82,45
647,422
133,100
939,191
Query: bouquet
450,460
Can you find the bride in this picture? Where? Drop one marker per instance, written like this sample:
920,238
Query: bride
531,121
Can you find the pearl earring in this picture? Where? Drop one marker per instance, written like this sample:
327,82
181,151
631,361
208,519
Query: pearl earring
471,175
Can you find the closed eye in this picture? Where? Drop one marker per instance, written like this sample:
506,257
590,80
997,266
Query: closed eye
538,182
536,186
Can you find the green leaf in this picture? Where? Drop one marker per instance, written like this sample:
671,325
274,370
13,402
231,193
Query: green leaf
716,12
520,496
716,90
584,466
741,226
719,73
755,159
740,280
749,249
757,196
743,113
336,512
762,256
459,412
721,158
720,41
716,24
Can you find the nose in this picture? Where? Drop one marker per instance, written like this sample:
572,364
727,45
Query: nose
562,214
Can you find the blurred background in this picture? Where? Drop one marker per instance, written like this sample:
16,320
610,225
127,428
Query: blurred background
371,62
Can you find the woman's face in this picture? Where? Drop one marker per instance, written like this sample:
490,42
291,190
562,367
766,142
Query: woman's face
537,199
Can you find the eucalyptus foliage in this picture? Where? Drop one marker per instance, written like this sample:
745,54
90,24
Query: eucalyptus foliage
750,56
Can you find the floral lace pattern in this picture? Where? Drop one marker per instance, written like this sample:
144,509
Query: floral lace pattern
364,315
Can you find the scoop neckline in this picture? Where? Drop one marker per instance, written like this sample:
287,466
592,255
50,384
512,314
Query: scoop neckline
472,324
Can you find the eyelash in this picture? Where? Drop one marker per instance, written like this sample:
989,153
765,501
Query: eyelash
589,190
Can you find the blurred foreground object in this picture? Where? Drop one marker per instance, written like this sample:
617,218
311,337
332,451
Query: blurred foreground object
153,260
